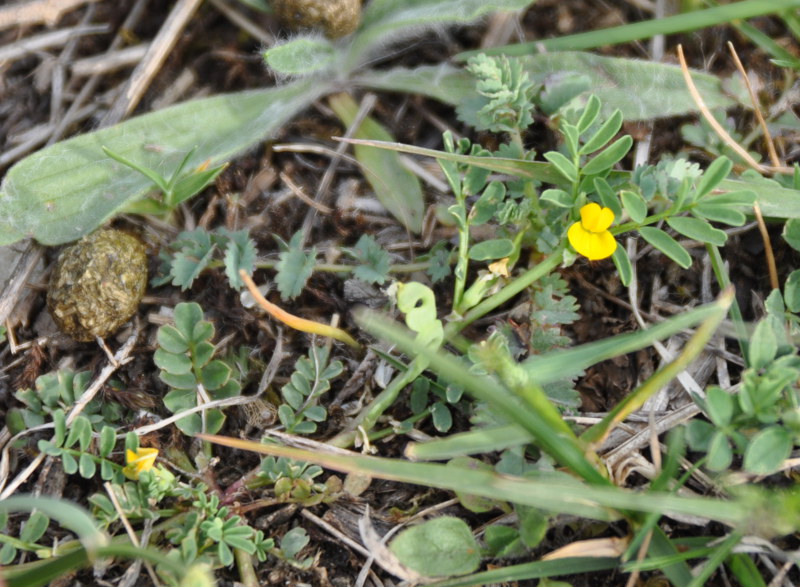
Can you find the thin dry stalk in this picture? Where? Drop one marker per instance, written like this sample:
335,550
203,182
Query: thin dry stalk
144,73
721,132
36,12
776,162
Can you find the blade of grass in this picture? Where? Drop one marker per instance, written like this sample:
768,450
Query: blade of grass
679,23
554,494
563,363
632,402
544,424
534,570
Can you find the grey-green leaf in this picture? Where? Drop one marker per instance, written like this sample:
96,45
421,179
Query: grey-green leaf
65,191
441,547
697,229
608,157
660,88
301,56
634,205
767,450
667,245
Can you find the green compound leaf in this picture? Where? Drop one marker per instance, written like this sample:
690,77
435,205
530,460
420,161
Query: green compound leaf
240,253
301,56
605,133
667,245
441,547
697,229
294,267
65,191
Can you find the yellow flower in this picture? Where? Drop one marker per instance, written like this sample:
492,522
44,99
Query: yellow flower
138,462
590,237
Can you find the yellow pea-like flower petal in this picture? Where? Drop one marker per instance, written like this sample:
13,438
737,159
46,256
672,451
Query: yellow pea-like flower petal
137,462
590,237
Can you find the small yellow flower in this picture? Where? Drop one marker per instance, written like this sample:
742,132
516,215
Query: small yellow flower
138,462
590,237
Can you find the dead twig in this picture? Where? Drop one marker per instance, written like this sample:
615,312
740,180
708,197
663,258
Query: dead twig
38,11
156,54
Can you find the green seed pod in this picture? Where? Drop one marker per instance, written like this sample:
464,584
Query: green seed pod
336,18
97,284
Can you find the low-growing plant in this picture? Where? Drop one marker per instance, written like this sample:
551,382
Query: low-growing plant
186,359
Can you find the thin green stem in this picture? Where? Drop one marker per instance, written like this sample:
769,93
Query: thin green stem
531,276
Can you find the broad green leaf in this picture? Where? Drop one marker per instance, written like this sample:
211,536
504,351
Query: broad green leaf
65,512
667,245
767,450
660,88
388,21
396,187
634,205
442,82
65,191
491,249
301,56
697,229
608,196
604,134
441,547
607,158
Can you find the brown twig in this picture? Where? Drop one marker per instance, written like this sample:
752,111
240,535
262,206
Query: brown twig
721,132
776,162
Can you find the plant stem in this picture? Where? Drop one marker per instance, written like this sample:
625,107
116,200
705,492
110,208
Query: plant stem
509,291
